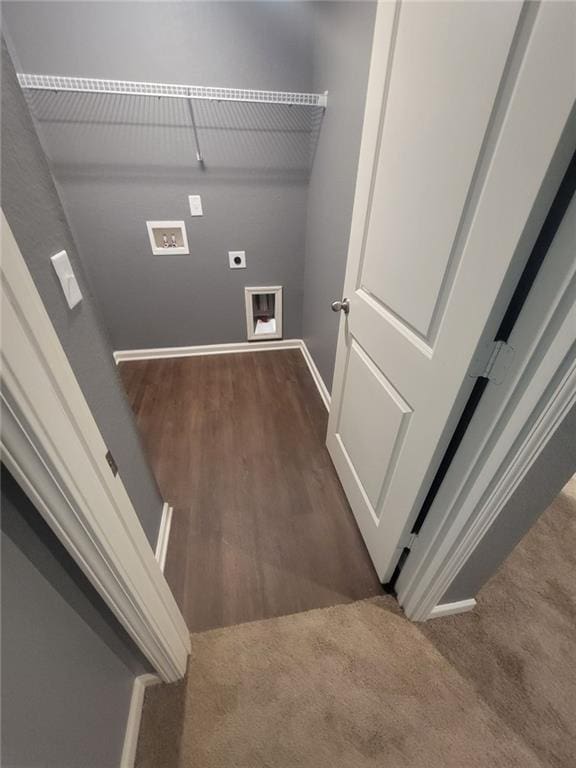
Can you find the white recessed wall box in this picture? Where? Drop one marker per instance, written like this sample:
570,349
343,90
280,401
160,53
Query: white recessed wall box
263,312
168,238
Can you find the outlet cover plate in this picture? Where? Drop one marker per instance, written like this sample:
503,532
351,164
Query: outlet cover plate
237,259
63,268
195,202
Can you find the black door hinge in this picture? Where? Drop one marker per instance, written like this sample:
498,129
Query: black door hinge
111,463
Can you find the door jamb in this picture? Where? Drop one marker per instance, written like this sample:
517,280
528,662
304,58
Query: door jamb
52,446
455,527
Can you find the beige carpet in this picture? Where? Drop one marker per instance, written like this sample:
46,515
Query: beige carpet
358,685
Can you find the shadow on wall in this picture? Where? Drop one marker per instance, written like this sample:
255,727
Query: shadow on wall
110,135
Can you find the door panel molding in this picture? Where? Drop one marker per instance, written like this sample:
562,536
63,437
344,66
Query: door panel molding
420,194
53,447
369,407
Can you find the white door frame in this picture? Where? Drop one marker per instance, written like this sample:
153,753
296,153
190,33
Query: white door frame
501,447
53,448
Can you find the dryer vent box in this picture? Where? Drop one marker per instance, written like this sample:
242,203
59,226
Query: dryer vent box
263,312
168,238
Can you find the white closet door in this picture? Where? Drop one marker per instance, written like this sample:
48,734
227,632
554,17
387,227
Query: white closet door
442,195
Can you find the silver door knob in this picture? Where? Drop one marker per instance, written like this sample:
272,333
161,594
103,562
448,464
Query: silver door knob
341,306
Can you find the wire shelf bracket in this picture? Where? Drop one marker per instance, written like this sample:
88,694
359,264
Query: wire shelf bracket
166,90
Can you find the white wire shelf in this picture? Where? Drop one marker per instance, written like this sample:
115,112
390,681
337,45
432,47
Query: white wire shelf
132,88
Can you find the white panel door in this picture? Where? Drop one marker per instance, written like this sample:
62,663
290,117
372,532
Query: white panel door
446,180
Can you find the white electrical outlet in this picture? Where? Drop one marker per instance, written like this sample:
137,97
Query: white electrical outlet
237,259
195,202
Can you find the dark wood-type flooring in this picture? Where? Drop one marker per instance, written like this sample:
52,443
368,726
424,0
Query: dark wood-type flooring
261,526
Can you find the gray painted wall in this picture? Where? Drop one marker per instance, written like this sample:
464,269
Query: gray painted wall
341,49
66,674
121,161
546,478
34,212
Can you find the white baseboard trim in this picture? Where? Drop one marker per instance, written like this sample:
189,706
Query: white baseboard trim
449,609
124,355
134,717
163,535
318,380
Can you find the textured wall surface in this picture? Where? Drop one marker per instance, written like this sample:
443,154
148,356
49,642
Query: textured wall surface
32,207
67,666
121,161
341,49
